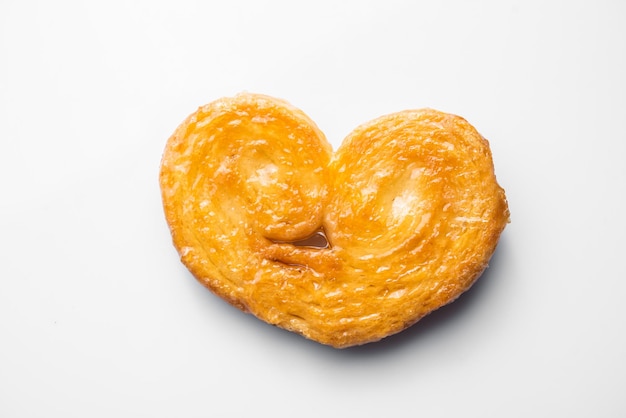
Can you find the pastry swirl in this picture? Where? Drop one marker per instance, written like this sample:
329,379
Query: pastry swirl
408,210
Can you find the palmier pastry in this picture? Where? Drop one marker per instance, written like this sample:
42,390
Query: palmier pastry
343,247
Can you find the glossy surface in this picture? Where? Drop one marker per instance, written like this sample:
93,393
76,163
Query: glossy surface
409,205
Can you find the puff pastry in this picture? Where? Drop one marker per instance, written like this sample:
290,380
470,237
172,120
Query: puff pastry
406,215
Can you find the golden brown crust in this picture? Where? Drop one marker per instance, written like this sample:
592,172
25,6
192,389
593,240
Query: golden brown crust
409,204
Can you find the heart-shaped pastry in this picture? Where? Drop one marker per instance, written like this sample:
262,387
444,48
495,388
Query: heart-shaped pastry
343,248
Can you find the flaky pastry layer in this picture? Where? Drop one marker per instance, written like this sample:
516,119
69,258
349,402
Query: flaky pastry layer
409,205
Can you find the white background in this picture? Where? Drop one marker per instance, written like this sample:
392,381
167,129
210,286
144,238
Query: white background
98,318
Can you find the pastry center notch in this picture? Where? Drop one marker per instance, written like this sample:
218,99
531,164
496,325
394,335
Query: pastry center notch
317,240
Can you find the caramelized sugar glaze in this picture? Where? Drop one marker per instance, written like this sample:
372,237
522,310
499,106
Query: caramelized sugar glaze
343,248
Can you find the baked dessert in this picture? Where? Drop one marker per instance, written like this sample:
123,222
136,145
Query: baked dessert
343,247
